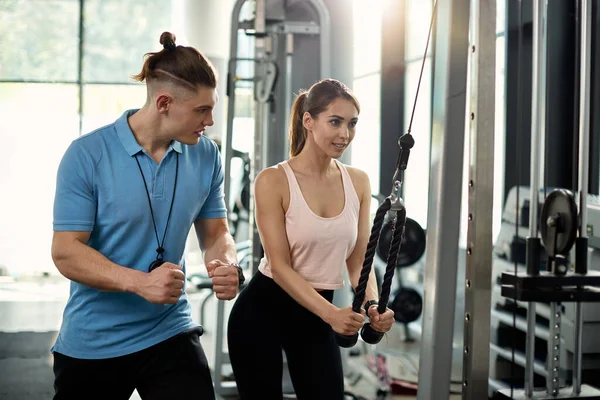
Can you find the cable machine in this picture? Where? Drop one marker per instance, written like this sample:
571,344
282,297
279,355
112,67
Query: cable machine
562,224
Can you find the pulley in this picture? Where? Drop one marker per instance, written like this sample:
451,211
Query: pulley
558,222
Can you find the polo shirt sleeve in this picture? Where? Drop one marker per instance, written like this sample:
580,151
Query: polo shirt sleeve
214,206
75,201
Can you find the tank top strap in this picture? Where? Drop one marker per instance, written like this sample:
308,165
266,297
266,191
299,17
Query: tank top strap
292,182
349,190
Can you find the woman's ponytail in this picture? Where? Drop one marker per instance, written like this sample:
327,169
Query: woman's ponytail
297,131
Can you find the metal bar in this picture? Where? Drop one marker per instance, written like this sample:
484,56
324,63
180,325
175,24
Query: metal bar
576,92
260,120
242,58
225,388
507,354
285,27
392,82
594,161
443,220
266,145
325,24
542,89
553,355
80,62
221,356
577,349
536,114
535,119
534,180
289,59
584,140
226,148
520,324
260,14
478,276
68,82
280,99
584,121
530,348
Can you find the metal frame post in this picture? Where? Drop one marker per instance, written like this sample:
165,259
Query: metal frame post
227,146
542,88
537,66
584,140
480,197
325,32
443,220
260,121
289,58
221,357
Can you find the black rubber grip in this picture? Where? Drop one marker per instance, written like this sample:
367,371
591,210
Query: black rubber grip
346,341
370,335
581,255
533,256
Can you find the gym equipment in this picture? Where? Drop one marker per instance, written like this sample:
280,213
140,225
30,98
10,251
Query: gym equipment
412,247
561,226
510,248
240,203
558,226
558,229
463,112
394,204
407,305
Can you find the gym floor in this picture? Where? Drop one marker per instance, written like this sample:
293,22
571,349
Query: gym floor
30,315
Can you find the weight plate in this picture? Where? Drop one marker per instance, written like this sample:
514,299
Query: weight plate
411,248
559,203
407,305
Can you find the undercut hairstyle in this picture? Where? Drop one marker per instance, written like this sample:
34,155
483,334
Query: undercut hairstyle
181,66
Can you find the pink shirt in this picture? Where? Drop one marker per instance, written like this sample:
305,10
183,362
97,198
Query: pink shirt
319,247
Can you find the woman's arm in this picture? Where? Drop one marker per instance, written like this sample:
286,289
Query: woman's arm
270,219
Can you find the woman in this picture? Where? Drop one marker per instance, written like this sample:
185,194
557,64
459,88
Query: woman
312,214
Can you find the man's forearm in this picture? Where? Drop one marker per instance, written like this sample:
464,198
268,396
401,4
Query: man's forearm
223,248
82,264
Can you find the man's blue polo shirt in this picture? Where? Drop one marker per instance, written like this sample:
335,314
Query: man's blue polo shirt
100,189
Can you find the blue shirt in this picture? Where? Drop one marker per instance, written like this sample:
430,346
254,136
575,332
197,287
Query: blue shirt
100,189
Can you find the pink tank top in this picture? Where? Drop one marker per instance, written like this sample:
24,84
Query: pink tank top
319,247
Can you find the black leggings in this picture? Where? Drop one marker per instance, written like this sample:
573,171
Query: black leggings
264,320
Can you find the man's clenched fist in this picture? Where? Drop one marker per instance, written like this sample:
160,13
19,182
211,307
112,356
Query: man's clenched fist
225,279
164,285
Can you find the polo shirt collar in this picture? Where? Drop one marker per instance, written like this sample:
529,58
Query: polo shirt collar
127,138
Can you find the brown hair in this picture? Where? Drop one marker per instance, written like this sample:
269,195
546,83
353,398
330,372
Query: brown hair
315,101
181,65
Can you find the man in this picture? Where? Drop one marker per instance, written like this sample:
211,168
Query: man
127,195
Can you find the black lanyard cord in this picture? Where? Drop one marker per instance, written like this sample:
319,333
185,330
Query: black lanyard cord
160,249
